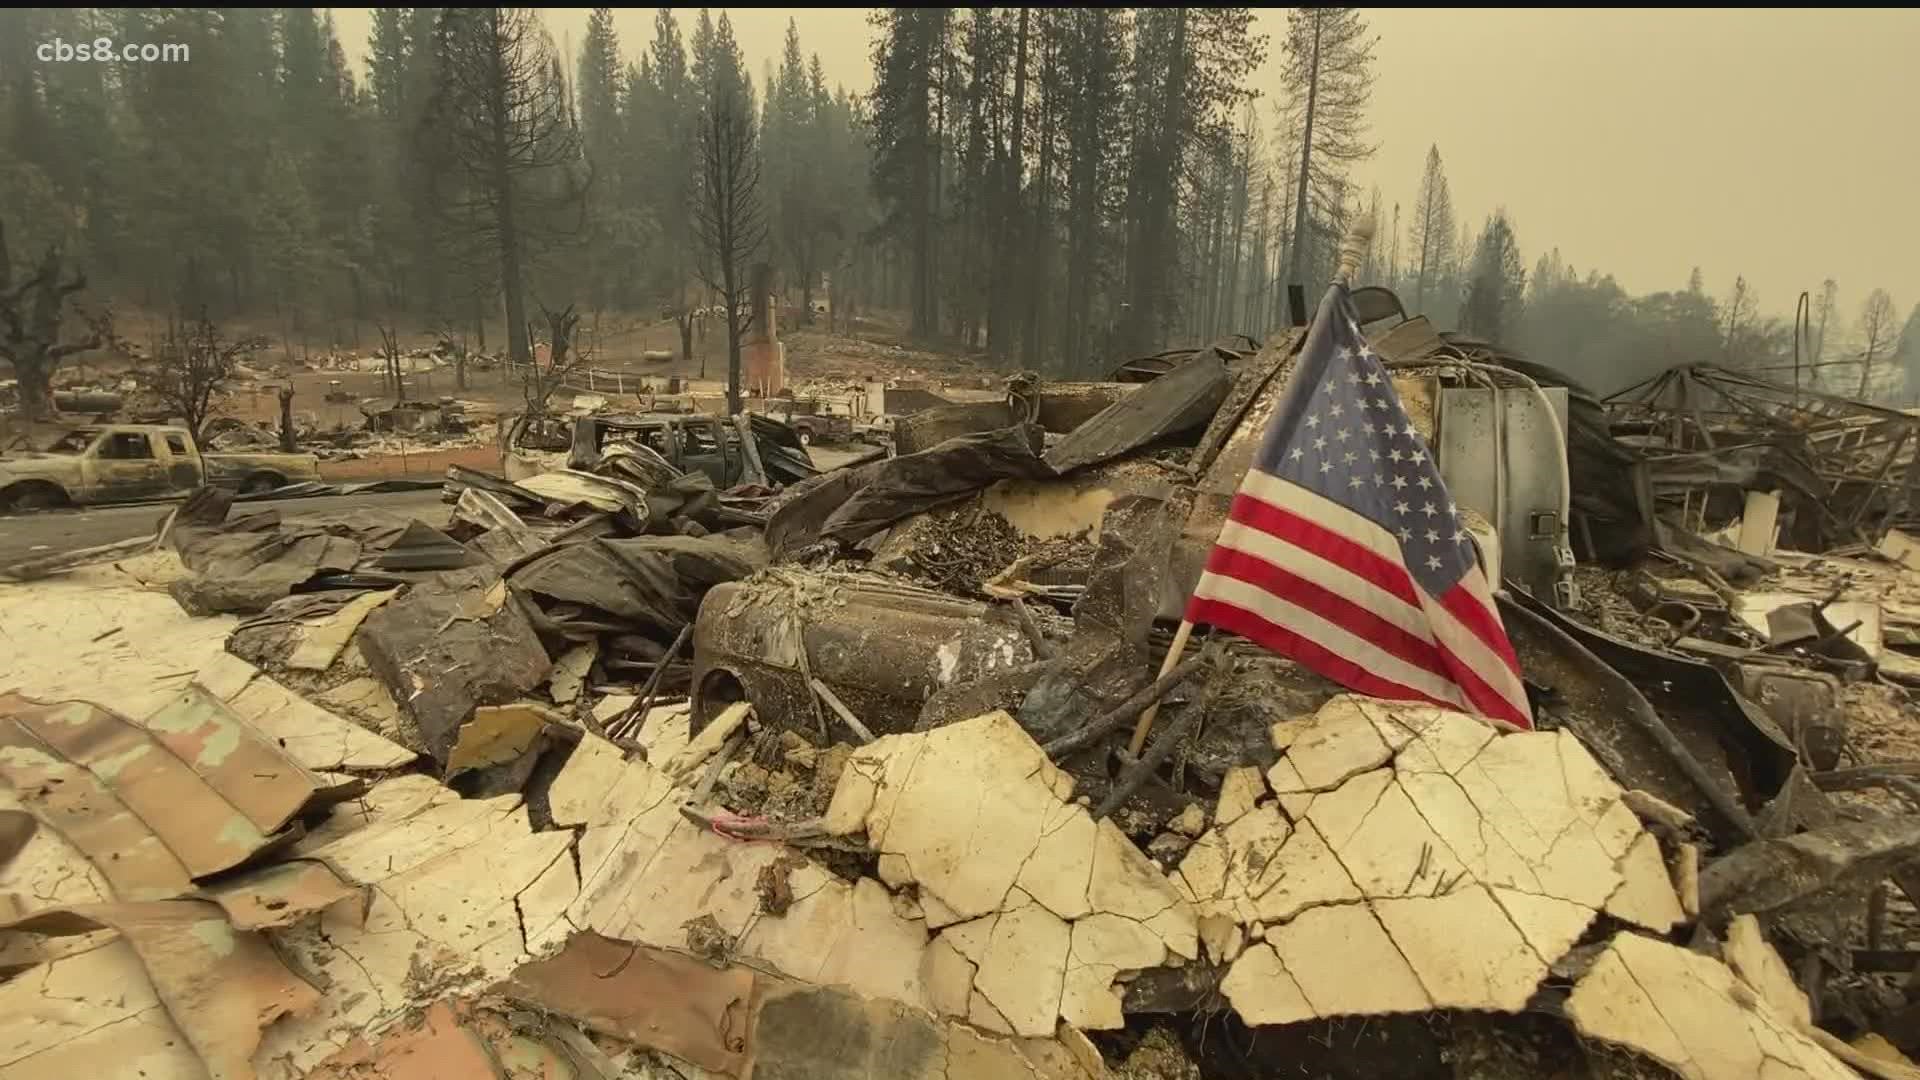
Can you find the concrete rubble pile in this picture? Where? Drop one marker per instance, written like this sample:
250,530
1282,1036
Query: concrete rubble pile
643,764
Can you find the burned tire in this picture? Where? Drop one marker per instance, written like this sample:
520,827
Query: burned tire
806,437
30,496
261,483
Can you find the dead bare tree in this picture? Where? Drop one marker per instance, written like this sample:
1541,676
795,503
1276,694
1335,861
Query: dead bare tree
32,313
193,365
1878,333
563,359
451,342
1740,306
728,214
390,353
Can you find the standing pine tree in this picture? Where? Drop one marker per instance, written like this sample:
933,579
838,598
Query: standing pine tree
729,218
909,57
1328,80
1188,78
514,140
600,137
1432,239
1496,284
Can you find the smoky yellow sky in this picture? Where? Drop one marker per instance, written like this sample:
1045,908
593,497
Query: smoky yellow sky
1779,144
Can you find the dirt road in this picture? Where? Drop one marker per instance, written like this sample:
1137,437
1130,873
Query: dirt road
27,536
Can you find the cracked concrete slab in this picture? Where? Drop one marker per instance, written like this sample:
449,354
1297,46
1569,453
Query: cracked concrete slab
1465,950
1551,926
1283,779
1284,733
975,815
60,635
600,786
646,872
1757,964
1203,870
837,934
1645,897
1549,821
366,701
666,730
47,871
1309,875
1262,992
570,672
948,977
310,735
1103,947
1340,742
451,891
966,806
1061,868
1692,1014
498,734
1344,963
1023,970
708,743
1395,723
1392,850
65,1018
395,797
1339,813
1240,790
1253,846
1451,863
1125,882
322,640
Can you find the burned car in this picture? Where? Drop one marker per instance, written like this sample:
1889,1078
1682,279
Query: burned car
770,452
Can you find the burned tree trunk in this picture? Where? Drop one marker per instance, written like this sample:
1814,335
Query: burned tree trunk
287,444
31,315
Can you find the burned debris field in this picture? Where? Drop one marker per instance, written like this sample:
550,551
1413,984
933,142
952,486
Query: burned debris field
602,544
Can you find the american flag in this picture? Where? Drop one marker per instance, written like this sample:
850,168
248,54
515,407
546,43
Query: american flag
1344,552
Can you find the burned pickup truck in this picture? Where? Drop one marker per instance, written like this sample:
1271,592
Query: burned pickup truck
738,450
128,462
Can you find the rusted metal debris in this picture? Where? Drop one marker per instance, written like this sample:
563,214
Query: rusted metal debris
1709,435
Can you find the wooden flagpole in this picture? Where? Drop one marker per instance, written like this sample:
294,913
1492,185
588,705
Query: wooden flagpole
1172,661
1352,247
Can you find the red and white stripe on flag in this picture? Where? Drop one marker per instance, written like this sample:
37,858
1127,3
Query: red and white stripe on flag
1315,582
